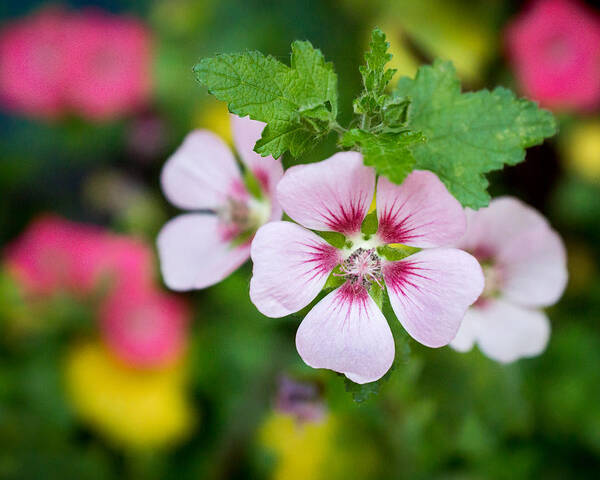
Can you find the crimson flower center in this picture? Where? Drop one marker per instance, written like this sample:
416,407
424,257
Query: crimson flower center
362,268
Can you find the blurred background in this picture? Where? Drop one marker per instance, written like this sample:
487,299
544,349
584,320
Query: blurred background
106,374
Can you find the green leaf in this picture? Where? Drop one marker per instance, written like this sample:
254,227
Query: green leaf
389,153
370,224
361,392
336,239
395,253
374,75
376,293
469,134
298,103
334,280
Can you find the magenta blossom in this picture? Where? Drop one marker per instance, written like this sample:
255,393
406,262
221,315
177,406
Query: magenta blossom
429,291
555,48
91,63
143,326
111,64
202,247
58,255
34,64
524,263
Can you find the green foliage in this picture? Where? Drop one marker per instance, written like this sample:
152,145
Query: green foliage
335,239
396,253
389,153
469,134
370,224
298,103
427,123
375,76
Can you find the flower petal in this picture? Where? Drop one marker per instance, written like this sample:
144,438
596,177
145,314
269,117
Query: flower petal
195,252
346,332
267,170
291,265
332,195
530,255
420,212
430,292
508,332
467,333
202,173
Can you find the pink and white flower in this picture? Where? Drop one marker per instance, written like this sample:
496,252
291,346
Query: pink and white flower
202,247
524,264
429,291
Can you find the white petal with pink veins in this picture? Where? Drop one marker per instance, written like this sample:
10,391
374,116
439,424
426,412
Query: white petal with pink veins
431,290
332,195
202,173
508,332
420,212
346,332
195,252
267,170
291,265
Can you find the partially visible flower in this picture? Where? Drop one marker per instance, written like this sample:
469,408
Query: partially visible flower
524,263
144,327
555,49
581,149
132,408
302,451
55,254
33,64
301,400
201,248
111,59
429,290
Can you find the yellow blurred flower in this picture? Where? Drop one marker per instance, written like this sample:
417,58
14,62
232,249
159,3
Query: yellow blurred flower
581,149
319,450
301,449
132,408
214,116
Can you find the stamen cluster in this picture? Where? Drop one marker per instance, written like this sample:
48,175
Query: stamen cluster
362,268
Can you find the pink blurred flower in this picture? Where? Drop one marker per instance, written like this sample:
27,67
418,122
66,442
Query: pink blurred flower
143,326
429,291
555,49
111,64
90,63
33,64
524,263
55,254
200,249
